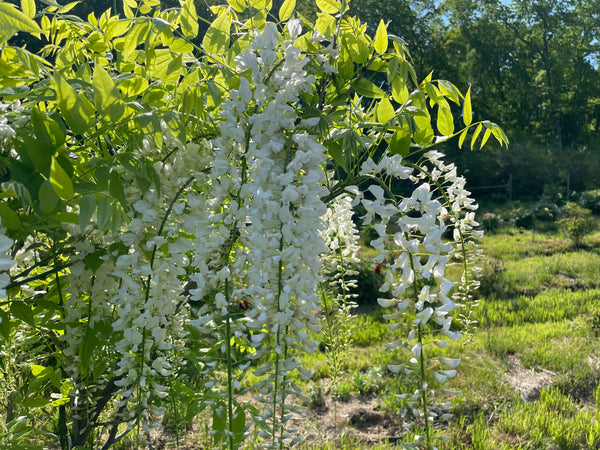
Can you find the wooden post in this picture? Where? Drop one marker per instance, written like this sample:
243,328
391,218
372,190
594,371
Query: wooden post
509,187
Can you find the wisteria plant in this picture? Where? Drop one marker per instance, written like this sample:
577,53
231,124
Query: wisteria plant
167,203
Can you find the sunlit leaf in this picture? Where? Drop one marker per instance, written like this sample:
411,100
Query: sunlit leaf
325,24
381,38
28,8
329,6
189,19
106,95
216,39
475,135
12,21
385,110
60,181
467,112
76,109
286,10
445,121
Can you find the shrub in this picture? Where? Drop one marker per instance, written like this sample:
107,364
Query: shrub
577,223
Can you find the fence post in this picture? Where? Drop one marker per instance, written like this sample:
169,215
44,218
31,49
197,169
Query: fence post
509,186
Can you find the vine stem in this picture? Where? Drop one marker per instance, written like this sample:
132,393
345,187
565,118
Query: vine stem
229,369
422,373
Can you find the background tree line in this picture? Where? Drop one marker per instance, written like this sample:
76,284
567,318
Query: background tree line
532,66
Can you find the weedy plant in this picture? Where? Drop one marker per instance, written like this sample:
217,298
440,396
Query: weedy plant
165,207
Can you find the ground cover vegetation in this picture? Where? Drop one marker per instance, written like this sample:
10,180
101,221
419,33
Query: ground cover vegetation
178,221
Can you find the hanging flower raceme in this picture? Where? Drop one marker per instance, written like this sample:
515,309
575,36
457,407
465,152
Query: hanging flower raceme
264,242
415,275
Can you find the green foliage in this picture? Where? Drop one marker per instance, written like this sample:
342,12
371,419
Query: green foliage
577,224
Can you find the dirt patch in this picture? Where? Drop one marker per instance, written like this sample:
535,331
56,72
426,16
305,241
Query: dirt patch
528,382
359,417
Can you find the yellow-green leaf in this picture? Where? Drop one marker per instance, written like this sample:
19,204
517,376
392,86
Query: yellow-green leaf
385,110
60,181
467,112
381,38
128,11
486,136
462,137
475,135
216,39
238,5
12,21
28,8
329,6
189,19
77,110
286,10
261,4
400,90
445,121
364,87
325,24
106,95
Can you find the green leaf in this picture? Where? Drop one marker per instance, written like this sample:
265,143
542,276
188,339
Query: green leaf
467,112
87,207
475,135
286,10
445,121
12,21
364,87
381,38
106,95
462,137
329,6
325,24
115,188
9,218
28,8
189,19
385,110
104,213
48,198
22,311
93,261
77,110
216,39
400,142
60,181
86,351
214,92
4,324
239,425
